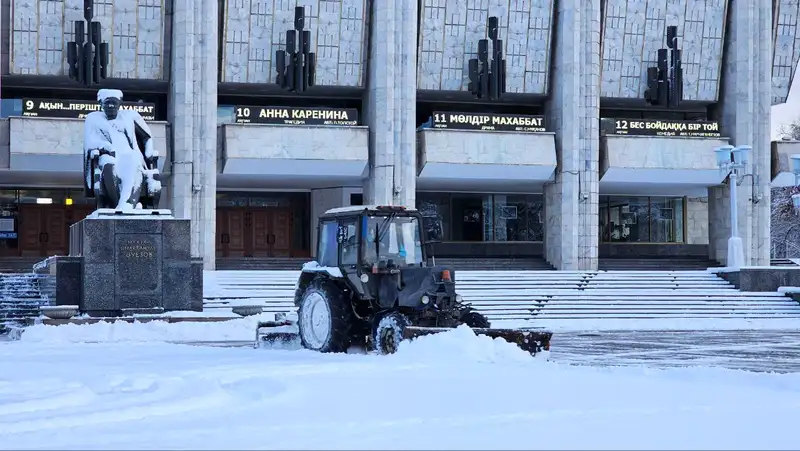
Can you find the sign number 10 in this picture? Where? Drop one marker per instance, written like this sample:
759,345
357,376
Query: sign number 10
243,112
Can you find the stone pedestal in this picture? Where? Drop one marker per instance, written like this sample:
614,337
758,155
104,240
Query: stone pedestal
763,278
136,261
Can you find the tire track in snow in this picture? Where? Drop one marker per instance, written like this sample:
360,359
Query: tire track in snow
135,399
123,398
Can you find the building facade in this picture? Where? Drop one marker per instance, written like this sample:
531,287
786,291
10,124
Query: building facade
566,159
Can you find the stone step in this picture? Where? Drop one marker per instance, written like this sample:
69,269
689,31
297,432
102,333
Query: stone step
229,264
490,264
256,264
656,263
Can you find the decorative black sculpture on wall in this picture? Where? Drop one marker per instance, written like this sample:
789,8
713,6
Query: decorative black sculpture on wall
487,78
296,66
88,59
665,80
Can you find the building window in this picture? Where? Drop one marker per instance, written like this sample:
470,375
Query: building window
641,219
485,217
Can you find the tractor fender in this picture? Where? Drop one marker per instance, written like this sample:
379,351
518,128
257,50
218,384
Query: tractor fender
311,271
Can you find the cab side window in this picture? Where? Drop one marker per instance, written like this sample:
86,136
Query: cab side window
327,248
350,244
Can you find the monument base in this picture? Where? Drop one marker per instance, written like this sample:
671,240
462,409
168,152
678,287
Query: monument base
139,260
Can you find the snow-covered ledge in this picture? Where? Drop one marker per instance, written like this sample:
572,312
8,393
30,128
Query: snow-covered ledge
792,292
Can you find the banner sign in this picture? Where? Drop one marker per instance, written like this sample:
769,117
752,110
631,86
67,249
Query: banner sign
78,109
489,121
296,116
661,127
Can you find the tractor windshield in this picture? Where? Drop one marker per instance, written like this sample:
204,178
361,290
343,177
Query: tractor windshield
399,240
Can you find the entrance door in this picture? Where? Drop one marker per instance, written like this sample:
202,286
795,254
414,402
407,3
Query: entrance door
254,232
468,212
281,226
230,232
43,230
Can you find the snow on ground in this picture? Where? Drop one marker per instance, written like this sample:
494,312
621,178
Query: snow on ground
447,391
152,331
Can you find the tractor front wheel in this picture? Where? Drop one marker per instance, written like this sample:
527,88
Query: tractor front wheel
388,332
474,320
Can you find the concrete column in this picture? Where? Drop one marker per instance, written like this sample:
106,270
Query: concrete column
571,202
696,221
390,104
745,104
193,115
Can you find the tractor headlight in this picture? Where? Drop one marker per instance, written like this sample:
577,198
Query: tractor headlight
458,298
364,278
425,299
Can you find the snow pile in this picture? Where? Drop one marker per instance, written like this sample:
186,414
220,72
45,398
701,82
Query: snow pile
461,344
240,329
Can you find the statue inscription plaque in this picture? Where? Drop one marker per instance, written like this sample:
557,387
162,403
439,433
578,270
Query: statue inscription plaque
138,264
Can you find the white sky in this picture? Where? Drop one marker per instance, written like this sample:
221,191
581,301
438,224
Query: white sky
789,111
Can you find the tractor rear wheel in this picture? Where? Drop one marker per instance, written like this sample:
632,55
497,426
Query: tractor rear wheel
324,317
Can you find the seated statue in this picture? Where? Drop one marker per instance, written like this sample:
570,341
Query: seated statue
120,164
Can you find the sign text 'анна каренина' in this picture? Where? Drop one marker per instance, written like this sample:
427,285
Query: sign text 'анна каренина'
296,116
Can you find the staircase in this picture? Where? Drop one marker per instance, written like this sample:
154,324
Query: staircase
556,295
656,264
20,299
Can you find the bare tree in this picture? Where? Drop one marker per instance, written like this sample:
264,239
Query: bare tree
790,131
785,220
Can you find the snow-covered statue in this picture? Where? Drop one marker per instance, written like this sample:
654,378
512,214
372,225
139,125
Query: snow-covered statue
120,164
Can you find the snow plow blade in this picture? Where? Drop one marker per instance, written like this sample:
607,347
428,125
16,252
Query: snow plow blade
284,334
532,341
280,334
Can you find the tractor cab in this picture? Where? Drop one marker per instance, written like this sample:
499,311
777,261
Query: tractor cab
383,256
373,239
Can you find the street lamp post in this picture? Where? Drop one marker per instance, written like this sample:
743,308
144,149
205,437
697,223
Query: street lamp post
796,170
731,160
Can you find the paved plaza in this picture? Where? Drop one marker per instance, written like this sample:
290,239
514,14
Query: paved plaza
752,350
